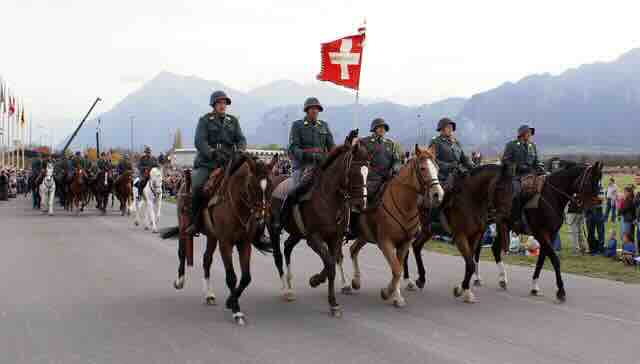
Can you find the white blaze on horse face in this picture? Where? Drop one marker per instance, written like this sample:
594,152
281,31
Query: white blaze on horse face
364,171
436,193
263,184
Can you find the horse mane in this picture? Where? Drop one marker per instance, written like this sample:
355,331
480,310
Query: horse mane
486,167
333,155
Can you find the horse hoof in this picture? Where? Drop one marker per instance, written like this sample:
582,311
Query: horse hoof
155,231
561,296
346,290
536,292
239,319
457,291
399,303
503,285
336,311
421,283
384,295
315,280
477,282
469,297
135,223
289,296
146,228
355,284
411,287
178,284
210,301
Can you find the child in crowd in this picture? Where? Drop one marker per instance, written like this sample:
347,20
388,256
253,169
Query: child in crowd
628,251
628,213
611,250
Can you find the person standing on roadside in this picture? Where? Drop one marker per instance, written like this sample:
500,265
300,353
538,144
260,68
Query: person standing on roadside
611,195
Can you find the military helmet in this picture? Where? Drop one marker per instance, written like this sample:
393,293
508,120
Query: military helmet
379,122
312,102
147,149
444,122
78,154
218,95
525,128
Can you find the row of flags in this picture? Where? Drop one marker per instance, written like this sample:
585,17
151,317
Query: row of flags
9,104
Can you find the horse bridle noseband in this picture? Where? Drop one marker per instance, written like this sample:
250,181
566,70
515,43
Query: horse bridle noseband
578,186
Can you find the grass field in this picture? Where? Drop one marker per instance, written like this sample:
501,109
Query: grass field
599,267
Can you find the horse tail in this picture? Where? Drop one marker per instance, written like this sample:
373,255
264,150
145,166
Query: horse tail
171,232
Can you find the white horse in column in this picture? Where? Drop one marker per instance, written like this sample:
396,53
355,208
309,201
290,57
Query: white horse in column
47,191
150,203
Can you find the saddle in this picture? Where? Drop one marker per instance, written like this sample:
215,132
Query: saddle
531,186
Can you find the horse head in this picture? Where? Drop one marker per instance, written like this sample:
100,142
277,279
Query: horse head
426,172
155,179
587,185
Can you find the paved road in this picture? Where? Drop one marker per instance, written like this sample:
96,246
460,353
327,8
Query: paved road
94,289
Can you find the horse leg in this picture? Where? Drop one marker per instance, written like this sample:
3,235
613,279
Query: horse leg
327,254
274,234
396,273
226,253
418,247
402,254
561,295
244,249
182,255
51,199
477,281
408,283
535,289
467,253
497,256
334,308
289,244
207,258
346,287
152,212
354,250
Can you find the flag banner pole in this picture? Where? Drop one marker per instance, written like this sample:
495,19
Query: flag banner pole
356,110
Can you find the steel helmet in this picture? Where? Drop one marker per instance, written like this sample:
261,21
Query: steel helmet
218,95
444,122
525,128
312,102
379,122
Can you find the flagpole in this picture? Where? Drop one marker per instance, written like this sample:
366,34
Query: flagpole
362,30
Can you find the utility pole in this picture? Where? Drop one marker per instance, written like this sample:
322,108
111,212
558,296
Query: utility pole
80,126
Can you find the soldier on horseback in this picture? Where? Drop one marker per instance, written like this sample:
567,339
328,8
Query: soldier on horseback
452,160
218,138
310,140
145,164
385,158
124,165
521,158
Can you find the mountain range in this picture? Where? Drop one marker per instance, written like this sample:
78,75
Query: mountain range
594,107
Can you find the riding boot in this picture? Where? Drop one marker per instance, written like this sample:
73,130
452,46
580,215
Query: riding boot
516,215
290,201
197,201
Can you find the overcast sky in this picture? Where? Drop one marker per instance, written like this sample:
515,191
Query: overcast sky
60,54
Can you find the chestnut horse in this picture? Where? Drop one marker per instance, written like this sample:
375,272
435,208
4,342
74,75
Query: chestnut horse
124,192
337,186
393,223
77,191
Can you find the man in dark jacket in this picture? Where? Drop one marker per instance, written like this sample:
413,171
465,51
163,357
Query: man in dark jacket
449,154
385,157
218,138
310,140
521,158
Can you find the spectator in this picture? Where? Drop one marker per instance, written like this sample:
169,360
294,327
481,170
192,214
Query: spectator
628,251
628,213
612,246
575,222
611,195
595,224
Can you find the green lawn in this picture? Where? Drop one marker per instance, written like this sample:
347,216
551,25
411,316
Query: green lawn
599,267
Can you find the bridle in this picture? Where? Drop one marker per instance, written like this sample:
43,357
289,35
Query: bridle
422,183
578,185
258,209
345,189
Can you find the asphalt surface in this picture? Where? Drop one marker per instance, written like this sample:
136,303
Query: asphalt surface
96,289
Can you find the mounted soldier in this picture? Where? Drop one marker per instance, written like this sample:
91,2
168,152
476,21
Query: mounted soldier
452,160
124,165
310,140
145,164
103,164
79,162
385,158
218,139
521,159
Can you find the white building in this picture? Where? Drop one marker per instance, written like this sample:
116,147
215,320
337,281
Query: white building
184,157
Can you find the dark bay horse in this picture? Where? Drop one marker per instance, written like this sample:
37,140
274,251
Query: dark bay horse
77,191
394,222
337,186
575,182
234,222
465,212
123,190
102,188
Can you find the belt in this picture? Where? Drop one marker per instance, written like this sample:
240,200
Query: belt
313,150
220,146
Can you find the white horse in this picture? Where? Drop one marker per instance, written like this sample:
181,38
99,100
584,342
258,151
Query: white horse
150,204
48,191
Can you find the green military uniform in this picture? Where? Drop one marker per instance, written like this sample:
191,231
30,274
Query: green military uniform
36,166
310,142
79,162
146,163
520,158
450,156
385,158
124,165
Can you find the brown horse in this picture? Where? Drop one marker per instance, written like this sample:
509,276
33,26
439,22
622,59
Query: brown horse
124,192
77,191
338,185
465,213
102,187
234,222
393,223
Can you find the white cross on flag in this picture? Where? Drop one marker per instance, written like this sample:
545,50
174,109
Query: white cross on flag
342,61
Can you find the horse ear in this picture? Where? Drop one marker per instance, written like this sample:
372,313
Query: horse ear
432,150
417,149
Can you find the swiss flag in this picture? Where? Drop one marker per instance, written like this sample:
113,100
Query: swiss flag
342,61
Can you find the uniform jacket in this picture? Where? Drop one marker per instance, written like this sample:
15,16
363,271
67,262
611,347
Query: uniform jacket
449,155
217,138
310,142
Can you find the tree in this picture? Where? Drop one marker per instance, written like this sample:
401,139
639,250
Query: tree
177,140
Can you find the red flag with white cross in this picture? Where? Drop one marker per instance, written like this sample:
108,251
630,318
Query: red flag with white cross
342,60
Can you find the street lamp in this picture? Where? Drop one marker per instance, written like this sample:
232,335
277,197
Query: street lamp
131,134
